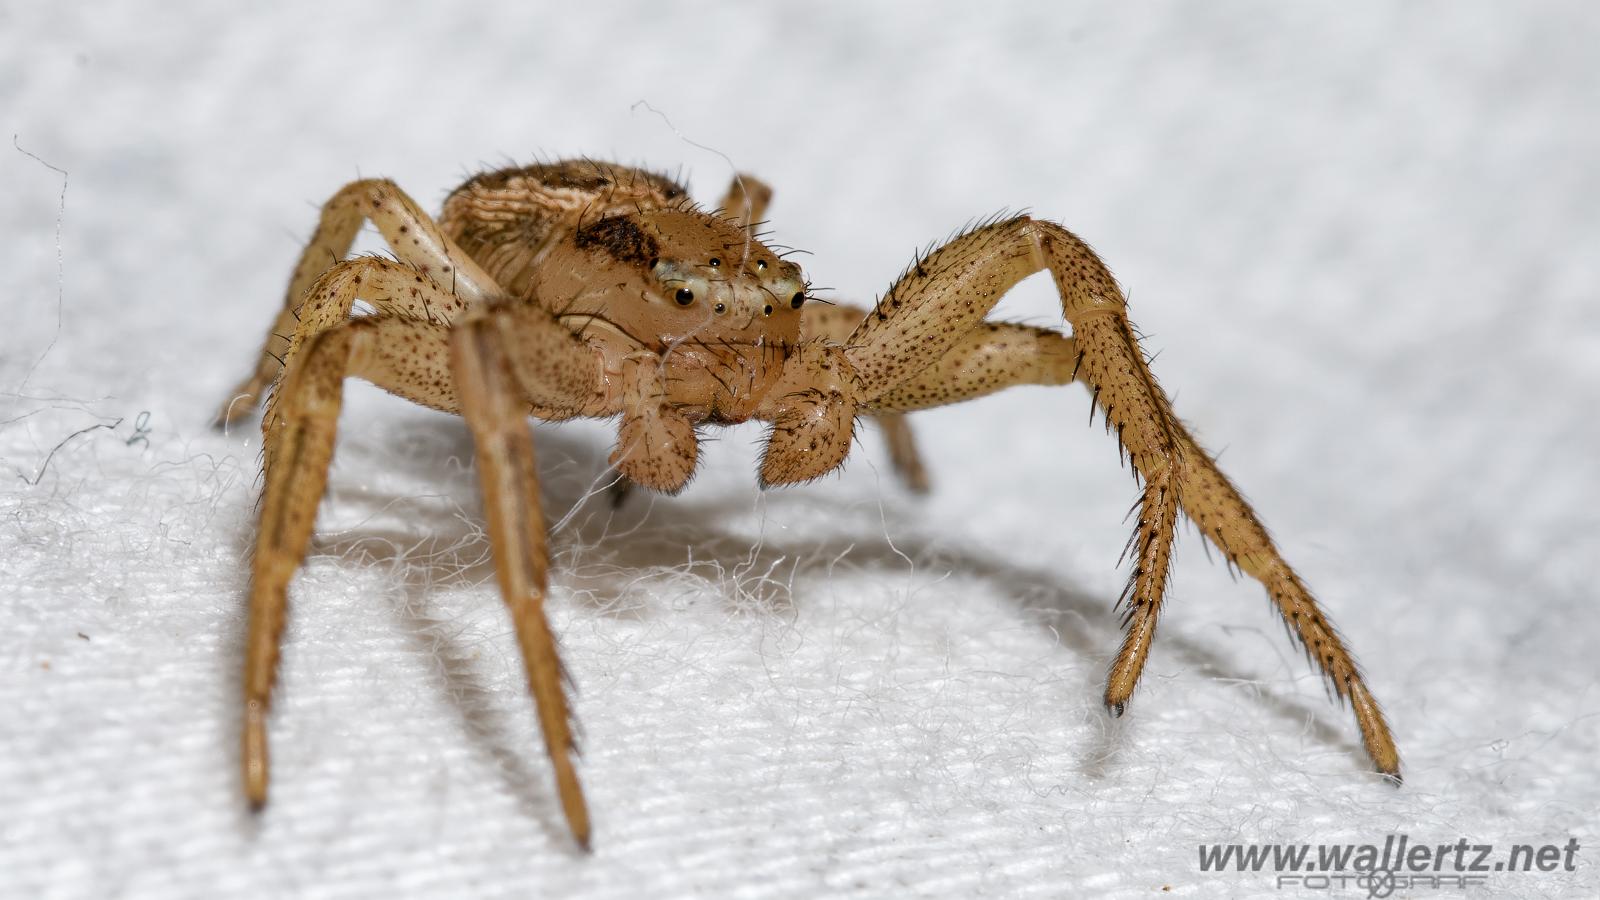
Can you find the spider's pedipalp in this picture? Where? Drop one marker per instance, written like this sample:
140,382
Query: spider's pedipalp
656,444
812,410
826,320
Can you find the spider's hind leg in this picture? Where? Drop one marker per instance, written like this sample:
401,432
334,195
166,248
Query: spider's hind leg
746,202
406,351
402,349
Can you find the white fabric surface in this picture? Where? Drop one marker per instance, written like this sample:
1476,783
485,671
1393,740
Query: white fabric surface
1362,238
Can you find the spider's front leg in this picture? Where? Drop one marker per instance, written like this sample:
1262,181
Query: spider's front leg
498,366
402,349
491,369
409,232
924,345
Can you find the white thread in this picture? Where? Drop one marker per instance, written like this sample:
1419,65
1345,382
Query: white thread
61,267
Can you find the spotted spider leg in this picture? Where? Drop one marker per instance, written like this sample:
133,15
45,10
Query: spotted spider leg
925,344
410,233
391,349
500,361
492,367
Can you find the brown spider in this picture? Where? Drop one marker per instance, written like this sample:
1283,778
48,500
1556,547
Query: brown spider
584,289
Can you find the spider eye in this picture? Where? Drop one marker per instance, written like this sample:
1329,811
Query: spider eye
715,262
797,299
684,296
761,264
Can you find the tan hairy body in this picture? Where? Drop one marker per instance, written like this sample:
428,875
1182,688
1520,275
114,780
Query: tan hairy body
584,289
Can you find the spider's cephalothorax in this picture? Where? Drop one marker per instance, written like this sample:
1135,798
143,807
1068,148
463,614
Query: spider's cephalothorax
720,310
624,251
584,289
691,301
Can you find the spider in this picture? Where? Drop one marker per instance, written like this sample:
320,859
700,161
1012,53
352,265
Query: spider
579,288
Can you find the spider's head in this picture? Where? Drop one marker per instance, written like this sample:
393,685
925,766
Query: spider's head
675,274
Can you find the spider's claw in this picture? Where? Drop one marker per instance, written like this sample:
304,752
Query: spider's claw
1116,709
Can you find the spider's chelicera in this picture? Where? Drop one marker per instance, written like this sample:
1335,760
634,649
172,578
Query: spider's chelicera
584,289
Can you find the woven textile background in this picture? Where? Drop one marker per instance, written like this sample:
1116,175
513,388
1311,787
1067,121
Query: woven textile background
1363,239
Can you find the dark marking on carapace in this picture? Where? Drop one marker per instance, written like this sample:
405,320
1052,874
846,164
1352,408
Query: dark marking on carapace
621,238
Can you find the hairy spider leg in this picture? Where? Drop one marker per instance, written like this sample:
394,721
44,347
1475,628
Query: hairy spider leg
491,369
935,307
408,351
412,236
